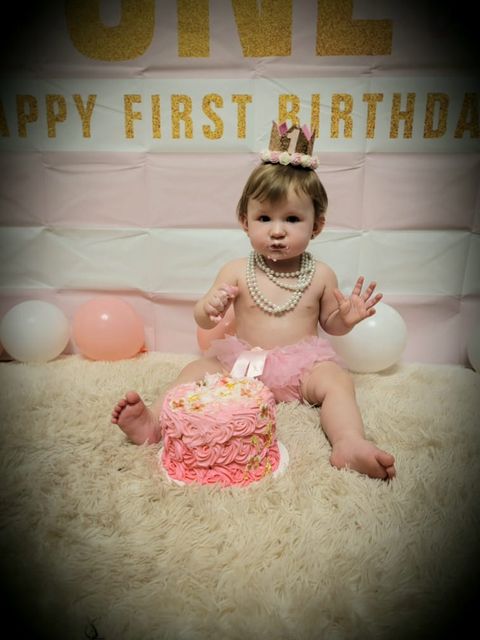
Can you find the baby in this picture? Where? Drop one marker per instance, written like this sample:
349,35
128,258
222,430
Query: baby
280,295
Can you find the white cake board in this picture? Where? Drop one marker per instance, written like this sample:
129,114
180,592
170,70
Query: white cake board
282,465
284,460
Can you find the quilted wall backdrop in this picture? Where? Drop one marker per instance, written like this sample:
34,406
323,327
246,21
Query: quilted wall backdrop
127,131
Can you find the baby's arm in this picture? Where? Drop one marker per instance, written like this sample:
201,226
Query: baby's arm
340,313
211,308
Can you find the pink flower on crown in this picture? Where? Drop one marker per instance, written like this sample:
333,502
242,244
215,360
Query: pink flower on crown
274,156
296,159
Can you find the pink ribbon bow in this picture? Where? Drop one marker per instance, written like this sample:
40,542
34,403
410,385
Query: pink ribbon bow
249,364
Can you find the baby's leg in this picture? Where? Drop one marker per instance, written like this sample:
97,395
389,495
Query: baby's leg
332,387
139,422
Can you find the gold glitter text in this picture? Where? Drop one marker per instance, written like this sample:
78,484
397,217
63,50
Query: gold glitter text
339,35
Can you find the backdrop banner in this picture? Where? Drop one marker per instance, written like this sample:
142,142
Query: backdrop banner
128,129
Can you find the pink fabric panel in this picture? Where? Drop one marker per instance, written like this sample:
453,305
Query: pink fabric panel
175,328
470,314
79,189
168,324
22,192
421,191
94,189
73,189
343,176
383,191
210,197
434,328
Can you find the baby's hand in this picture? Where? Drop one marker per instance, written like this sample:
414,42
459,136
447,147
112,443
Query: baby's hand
359,305
219,301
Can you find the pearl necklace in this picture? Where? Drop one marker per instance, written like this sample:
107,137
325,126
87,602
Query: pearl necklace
304,275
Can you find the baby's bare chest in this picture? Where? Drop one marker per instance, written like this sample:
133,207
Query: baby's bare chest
256,325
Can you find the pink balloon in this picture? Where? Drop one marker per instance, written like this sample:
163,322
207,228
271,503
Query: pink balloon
226,326
107,329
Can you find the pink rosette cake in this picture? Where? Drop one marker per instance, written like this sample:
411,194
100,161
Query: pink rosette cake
220,430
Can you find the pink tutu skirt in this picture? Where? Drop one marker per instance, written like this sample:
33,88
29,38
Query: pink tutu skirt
284,366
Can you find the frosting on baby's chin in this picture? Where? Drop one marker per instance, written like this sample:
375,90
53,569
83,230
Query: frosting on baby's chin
219,431
280,248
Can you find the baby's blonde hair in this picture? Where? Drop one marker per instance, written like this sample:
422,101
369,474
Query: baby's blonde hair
272,181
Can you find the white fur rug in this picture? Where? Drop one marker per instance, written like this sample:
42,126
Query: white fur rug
96,543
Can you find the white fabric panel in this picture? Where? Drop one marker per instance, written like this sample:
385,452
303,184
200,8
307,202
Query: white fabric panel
416,262
340,249
471,285
191,258
158,260
183,262
77,259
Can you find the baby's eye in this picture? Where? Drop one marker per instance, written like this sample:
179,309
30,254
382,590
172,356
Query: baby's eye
293,219
264,218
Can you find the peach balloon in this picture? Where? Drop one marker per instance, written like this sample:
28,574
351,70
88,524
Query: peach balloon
226,326
108,329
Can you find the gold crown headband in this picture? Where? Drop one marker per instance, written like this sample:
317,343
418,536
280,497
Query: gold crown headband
292,145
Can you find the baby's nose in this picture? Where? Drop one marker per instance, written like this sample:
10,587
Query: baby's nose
277,230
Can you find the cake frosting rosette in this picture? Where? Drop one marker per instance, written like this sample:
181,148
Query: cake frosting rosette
220,430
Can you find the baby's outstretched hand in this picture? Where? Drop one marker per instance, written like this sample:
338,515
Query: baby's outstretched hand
219,301
359,305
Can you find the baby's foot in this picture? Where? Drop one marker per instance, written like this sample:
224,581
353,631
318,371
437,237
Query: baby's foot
363,456
136,420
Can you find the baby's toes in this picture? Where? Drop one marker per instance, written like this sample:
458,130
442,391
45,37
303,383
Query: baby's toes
118,408
391,473
385,459
132,397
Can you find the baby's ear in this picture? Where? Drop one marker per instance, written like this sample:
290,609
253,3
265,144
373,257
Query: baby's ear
318,226
244,223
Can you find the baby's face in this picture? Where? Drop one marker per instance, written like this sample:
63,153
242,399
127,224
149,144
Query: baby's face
281,230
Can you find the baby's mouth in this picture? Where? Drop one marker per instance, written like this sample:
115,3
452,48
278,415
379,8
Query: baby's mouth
275,249
278,246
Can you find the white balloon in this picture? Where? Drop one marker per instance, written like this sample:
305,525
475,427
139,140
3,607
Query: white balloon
374,344
473,348
34,331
